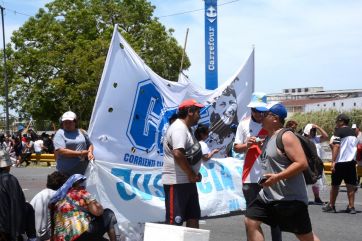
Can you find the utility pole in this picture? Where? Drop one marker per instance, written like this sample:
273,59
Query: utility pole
7,129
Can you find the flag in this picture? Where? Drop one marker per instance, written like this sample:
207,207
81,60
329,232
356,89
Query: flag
129,118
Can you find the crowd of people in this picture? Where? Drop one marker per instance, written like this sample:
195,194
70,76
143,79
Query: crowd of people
22,144
64,210
273,183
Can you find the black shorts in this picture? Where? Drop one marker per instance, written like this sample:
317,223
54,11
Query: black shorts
250,192
344,171
182,203
290,216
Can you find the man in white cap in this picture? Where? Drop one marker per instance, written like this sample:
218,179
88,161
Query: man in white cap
310,131
16,216
248,135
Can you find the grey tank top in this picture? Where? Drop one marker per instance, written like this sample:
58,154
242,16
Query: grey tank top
273,161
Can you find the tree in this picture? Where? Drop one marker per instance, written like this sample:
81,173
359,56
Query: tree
58,55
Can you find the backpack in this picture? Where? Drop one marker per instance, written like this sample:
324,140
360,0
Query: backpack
315,164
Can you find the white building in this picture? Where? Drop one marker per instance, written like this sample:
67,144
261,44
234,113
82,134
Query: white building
340,105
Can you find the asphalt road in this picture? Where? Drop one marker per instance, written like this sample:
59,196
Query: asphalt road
339,226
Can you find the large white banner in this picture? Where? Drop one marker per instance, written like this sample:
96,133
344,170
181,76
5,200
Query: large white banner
129,118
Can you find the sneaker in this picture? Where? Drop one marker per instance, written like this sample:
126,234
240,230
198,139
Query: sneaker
328,208
318,201
351,210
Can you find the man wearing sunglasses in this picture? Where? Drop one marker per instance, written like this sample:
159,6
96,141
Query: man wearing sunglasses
249,135
283,200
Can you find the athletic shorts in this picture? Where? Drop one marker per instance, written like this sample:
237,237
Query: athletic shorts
250,192
344,171
290,216
182,203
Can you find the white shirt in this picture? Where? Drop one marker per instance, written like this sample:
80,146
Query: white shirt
38,145
42,215
177,136
246,129
204,148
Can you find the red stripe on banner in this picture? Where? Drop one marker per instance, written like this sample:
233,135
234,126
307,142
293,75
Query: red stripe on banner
251,155
171,204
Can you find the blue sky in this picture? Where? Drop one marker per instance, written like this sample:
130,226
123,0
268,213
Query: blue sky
297,43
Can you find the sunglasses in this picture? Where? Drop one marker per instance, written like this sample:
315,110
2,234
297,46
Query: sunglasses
267,113
255,110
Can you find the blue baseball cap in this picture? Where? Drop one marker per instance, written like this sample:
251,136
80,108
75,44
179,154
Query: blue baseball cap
276,108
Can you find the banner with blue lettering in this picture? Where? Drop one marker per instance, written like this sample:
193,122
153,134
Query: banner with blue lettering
129,118
211,75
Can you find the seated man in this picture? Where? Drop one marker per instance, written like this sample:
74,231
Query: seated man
16,216
41,201
76,215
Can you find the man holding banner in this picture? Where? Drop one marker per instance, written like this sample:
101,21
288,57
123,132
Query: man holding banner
178,176
249,135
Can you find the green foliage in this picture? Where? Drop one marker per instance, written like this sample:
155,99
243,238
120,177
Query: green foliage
326,119
57,57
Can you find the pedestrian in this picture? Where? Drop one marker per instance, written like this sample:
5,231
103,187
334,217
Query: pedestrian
292,124
27,150
16,215
283,200
179,177
76,215
310,131
73,147
359,148
40,204
249,136
344,148
201,134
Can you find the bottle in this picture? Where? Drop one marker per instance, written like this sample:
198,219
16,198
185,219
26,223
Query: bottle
118,232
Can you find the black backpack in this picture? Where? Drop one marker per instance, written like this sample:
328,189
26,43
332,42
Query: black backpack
315,164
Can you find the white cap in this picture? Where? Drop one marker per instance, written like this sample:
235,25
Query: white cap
258,99
354,126
69,115
5,160
307,129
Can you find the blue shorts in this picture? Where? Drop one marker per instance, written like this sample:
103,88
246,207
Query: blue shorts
182,203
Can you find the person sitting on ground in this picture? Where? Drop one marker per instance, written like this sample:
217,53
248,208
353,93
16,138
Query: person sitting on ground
201,133
76,215
41,201
16,215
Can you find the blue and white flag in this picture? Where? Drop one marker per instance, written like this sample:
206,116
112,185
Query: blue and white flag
129,118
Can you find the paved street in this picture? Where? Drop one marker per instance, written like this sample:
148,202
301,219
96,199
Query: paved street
328,226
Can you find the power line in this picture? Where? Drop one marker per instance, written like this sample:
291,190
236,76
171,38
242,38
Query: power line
17,12
163,16
195,10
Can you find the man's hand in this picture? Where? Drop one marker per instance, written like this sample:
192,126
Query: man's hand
333,166
272,179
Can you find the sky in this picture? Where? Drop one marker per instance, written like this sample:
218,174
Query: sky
309,43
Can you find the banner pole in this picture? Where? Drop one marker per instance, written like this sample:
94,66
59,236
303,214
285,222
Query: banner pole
184,50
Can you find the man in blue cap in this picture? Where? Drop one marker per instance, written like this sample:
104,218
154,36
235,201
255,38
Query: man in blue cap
283,200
